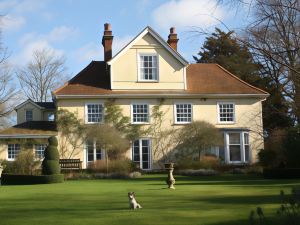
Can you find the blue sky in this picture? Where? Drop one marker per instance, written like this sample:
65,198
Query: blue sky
73,28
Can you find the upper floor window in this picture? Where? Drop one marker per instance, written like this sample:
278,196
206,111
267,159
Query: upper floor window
226,112
148,67
140,113
183,113
12,151
94,112
28,115
51,116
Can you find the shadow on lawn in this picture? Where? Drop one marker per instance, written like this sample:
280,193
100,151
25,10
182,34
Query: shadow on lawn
236,180
240,199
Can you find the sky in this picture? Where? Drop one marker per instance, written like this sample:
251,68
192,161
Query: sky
74,28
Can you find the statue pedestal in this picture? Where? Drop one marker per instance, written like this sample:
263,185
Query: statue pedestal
170,180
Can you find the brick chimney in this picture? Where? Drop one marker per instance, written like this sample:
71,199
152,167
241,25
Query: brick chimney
107,40
172,38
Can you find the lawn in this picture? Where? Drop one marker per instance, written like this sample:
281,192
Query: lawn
224,200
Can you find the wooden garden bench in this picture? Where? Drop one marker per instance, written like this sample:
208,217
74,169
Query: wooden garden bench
70,164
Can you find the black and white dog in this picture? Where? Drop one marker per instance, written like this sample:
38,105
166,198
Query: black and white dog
132,202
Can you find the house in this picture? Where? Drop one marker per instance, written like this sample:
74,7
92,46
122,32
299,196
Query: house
35,124
149,69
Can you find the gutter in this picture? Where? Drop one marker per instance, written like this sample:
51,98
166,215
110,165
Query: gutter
167,95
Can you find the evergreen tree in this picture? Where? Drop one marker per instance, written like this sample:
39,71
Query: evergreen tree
222,48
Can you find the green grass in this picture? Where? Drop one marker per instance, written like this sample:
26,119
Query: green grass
224,200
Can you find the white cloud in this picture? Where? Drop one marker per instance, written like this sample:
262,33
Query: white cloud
88,52
31,42
120,42
187,13
9,22
18,6
94,51
62,33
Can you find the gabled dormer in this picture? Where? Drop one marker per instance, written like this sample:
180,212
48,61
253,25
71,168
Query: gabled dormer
148,62
35,111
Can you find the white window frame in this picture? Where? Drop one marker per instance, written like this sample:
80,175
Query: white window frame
15,154
86,112
175,112
94,152
218,113
28,110
131,112
242,147
140,152
39,150
140,79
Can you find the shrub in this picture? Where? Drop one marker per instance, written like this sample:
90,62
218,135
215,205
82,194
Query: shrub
279,173
287,214
115,166
206,162
12,179
50,164
25,164
200,172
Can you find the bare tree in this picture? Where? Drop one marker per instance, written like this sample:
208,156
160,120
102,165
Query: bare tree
42,75
8,90
274,37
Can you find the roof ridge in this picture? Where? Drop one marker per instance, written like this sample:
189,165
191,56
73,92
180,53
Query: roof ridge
240,80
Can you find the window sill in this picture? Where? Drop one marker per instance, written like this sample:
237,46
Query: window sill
146,123
94,122
226,123
147,81
176,124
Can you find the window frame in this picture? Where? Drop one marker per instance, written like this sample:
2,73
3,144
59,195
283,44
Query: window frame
140,152
28,110
15,154
131,112
218,113
86,112
94,152
242,147
175,112
35,150
140,79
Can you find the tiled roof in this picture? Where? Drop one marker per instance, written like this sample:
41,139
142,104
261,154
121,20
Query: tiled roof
31,128
209,78
201,79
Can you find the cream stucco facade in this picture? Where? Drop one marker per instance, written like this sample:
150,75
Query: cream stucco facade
247,116
242,135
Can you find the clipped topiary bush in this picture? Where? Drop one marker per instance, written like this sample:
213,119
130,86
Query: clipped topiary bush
50,164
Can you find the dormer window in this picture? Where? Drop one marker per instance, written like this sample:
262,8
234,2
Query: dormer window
148,67
28,115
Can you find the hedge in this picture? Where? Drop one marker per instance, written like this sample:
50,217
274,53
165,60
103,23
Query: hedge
12,179
282,173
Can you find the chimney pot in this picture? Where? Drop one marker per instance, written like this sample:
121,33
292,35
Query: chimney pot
172,30
107,27
172,38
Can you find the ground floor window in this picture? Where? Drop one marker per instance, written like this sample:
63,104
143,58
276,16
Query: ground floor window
93,151
40,150
141,153
237,147
13,150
